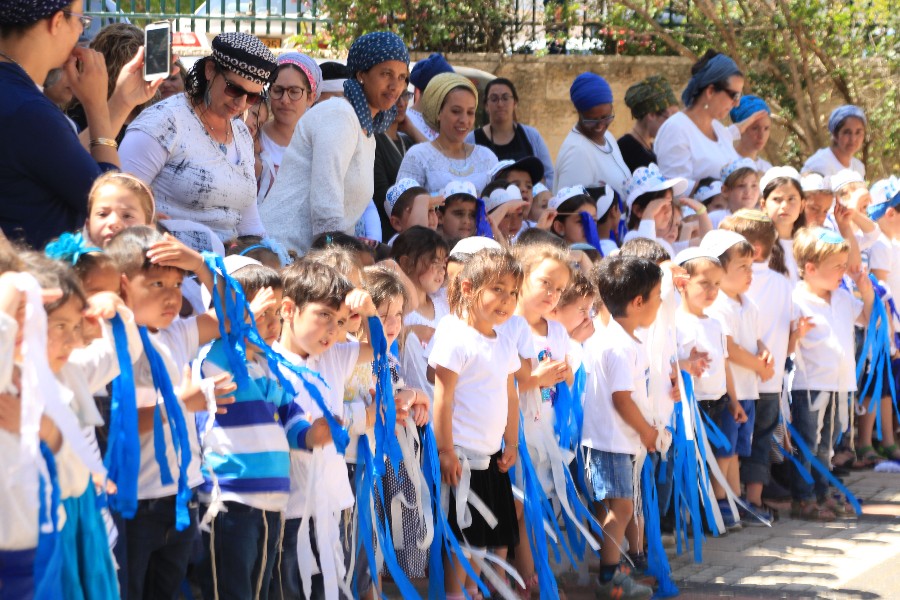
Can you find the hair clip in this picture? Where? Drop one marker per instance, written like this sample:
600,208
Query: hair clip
69,247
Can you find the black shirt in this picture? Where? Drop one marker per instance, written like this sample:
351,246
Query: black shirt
518,147
634,152
388,156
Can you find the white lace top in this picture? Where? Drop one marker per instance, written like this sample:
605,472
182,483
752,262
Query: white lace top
427,165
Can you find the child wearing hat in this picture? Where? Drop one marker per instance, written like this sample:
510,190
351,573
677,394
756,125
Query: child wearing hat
408,204
458,215
504,206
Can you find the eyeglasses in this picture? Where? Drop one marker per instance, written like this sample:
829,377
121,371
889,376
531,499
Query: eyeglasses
407,96
233,90
276,92
735,96
493,98
85,19
595,123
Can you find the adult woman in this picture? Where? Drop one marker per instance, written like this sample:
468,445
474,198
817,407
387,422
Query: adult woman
503,134
755,137
193,152
590,156
847,125
390,148
297,85
694,144
45,171
651,101
326,178
448,106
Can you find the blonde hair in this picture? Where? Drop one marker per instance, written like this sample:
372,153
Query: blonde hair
755,226
809,247
481,269
132,184
532,255
340,259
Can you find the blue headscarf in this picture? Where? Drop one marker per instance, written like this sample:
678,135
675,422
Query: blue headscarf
29,11
841,114
589,90
366,52
750,105
428,69
718,68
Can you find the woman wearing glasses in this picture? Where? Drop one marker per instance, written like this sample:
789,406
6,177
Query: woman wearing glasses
694,144
297,86
503,134
590,156
194,153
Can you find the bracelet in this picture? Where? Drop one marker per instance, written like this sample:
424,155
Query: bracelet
701,210
104,142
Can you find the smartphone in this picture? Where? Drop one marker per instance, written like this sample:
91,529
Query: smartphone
157,50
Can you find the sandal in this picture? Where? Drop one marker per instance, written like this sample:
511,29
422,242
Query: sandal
866,458
809,510
837,505
891,452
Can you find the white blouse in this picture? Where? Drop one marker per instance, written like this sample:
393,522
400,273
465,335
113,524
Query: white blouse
825,163
428,165
582,162
682,150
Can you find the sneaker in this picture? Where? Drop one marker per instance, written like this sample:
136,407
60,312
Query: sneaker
731,522
623,587
639,561
755,516
774,491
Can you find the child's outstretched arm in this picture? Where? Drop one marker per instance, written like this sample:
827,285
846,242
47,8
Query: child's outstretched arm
631,414
444,390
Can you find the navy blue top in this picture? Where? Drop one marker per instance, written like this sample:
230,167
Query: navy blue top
45,172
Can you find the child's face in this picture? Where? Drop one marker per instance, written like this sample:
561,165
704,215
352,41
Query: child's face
64,332
717,202
269,325
315,328
459,219
783,205
543,287
738,275
391,314
496,303
114,208
670,230
539,205
453,269
431,276
101,279
817,206
649,307
522,180
154,295
571,229
856,196
828,274
702,288
511,222
744,194
575,313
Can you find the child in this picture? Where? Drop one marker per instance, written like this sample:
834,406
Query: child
524,173
826,365
819,201
710,194
504,206
608,217
257,248
407,203
782,201
540,199
850,192
116,201
617,412
476,405
740,185
748,357
458,214
568,204
465,248
573,311
715,389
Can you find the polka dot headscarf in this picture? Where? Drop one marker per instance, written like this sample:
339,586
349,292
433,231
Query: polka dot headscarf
243,54
366,52
26,12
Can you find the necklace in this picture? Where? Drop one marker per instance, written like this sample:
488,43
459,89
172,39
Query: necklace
640,138
12,60
609,152
399,145
223,146
605,149
466,168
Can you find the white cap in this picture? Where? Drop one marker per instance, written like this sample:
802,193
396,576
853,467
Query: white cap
884,190
775,173
473,244
708,191
813,182
234,262
605,201
501,166
649,179
564,194
502,196
740,163
395,191
539,188
455,188
844,177
718,241
691,253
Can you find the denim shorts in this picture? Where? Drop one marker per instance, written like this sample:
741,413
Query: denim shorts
609,474
739,435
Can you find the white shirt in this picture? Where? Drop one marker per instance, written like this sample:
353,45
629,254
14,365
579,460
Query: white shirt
538,402
428,165
419,121
825,355
706,336
335,366
684,151
615,362
885,255
789,261
662,345
762,165
582,162
775,292
483,366
825,163
740,322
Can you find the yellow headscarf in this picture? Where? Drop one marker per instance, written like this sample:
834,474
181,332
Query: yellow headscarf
437,90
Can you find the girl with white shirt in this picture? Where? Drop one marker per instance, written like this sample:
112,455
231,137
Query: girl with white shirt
783,201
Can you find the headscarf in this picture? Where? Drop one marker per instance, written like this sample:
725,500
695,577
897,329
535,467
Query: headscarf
244,55
589,90
26,12
426,70
749,105
436,93
309,67
650,96
366,52
718,68
841,114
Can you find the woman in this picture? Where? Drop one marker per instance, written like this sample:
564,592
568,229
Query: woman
847,125
694,144
755,137
590,156
651,101
503,134
45,171
297,85
326,178
448,106
193,153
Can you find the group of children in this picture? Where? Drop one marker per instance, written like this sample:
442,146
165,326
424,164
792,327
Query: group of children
506,367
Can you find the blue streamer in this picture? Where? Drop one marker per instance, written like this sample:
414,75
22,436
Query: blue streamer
482,225
386,443
578,386
804,474
822,469
566,425
657,561
49,554
589,226
123,452
877,348
365,520
622,227
714,434
178,428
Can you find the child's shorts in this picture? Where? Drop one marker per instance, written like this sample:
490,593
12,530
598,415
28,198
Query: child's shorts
739,435
609,474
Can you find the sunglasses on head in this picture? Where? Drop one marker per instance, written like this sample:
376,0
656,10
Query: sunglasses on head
233,90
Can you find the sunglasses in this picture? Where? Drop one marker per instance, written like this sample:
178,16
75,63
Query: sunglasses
594,123
85,19
232,90
735,96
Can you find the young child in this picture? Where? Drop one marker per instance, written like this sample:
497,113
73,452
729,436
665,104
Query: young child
116,201
617,411
257,248
476,405
819,201
782,201
504,206
567,206
465,248
407,203
826,365
540,198
715,389
749,359
524,173
573,311
608,217
740,185
458,214
710,194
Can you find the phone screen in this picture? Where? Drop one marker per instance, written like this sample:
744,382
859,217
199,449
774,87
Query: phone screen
156,56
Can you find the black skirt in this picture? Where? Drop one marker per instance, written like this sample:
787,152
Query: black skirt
495,489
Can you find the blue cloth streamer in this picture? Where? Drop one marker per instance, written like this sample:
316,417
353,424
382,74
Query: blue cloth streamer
49,555
877,348
386,443
714,434
163,384
589,226
622,227
482,226
657,561
567,425
822,469
123,452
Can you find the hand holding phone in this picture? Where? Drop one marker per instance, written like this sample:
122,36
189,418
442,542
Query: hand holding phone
157,51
